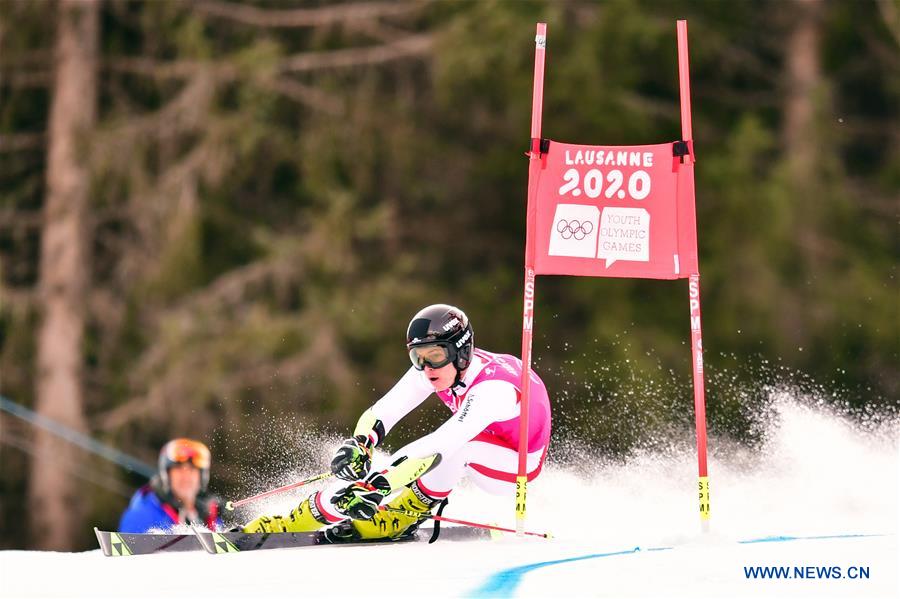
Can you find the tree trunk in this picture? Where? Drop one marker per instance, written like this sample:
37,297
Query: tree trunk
55,500
803,74
803,152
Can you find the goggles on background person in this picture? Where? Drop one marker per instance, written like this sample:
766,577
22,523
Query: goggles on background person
186,451
435,355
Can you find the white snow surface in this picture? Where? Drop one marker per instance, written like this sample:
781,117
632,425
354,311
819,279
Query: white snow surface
628,530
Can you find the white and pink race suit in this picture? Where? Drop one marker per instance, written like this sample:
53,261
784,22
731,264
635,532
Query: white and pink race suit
481,439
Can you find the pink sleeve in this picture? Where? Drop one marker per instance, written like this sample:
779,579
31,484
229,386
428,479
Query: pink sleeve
486,403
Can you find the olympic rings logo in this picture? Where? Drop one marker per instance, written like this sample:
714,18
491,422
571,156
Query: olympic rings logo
573,228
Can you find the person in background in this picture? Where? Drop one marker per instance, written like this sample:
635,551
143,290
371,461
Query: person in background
177,494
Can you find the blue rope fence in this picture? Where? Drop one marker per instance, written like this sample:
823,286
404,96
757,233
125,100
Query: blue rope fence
74,437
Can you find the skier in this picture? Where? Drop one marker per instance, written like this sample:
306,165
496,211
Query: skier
177,494
479,441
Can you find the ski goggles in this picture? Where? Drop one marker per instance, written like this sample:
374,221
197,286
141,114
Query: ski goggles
434,356
187,451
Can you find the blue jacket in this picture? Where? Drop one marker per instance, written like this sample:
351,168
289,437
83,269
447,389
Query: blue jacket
147,510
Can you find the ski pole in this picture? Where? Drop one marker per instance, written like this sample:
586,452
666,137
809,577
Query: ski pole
543,535
230,506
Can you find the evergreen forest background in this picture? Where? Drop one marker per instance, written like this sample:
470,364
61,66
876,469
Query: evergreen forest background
216,219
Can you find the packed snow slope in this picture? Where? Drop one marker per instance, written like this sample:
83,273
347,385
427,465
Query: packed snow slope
821,494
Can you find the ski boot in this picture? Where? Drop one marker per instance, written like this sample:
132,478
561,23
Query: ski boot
303,518
416,506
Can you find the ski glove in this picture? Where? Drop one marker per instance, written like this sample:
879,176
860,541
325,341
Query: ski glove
360,500
353,459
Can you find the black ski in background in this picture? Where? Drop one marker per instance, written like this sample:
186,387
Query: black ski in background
121,544
116,544
236,542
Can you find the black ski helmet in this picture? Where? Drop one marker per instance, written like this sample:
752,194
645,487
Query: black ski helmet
446,326
181,451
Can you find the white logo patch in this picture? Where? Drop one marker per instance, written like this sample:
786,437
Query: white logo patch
465,338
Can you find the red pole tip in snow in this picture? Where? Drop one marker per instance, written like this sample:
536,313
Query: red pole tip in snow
230,506
543,535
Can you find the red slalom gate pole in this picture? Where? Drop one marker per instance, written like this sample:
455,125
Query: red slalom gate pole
534,165
699,399
694,296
